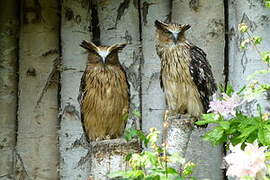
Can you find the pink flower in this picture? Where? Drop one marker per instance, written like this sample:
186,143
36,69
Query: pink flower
225,106
247,162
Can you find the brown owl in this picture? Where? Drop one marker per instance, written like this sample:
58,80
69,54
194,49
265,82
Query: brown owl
186,75
104,93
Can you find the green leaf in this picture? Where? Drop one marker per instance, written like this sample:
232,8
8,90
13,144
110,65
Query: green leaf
261,136
134,174
214,135
229,90
136,113
264,136
266,57
171,171
267,3
243,27
224,124
247,131
257,40
206,119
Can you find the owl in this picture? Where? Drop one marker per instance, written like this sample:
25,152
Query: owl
104,93
186,75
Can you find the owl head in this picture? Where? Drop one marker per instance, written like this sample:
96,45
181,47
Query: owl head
103,54
171,33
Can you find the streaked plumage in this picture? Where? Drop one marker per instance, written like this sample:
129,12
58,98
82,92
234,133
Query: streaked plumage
186,75
104,93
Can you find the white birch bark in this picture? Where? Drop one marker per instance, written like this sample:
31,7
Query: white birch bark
153,99
245,62
8,86
37,141
207,32
75,25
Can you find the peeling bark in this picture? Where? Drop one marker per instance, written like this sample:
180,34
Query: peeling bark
109,156
75,25
8,86
37,144
177,135
207,32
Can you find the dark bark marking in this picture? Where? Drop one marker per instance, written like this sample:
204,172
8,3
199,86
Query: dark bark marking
31,72
264,20
194,5
69,14
133,78
121,9
155,76
50,52
49,80
128,37
21,171
136,4
226,48
95,23
145,8
78,19
28,11
244,61
252,25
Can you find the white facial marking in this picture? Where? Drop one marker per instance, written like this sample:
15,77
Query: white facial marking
175,33
103,54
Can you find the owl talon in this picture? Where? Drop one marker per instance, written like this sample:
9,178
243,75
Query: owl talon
98,139
108,137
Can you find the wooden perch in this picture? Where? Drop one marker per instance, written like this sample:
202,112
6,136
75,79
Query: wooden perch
109,156
177,132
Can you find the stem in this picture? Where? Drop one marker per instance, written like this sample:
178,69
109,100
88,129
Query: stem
256,48
166,164
254,45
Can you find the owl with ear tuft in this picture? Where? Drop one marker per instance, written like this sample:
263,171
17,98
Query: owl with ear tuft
186,75
104,93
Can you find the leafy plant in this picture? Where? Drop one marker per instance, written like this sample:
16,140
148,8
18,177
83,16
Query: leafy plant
153,164
238,129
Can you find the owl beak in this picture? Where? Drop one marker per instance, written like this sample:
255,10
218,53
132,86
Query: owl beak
103,60
175,37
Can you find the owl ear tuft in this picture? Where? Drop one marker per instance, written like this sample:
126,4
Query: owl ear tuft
121,46
159,24
118,47
185,27
89,46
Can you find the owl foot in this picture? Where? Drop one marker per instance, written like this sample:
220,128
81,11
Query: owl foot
99,139
108,137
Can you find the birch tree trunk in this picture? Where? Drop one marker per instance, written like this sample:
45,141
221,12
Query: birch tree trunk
118,22
245,62
75,27
37,142
8,86
153,99
207,31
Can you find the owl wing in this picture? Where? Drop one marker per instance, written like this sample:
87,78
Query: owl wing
202,75
161,70
80,99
